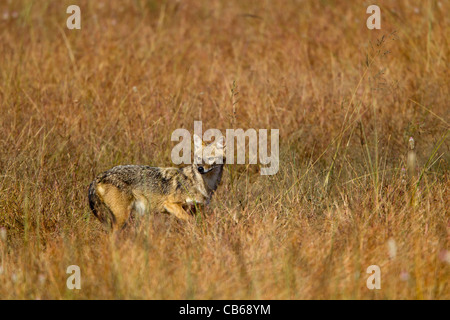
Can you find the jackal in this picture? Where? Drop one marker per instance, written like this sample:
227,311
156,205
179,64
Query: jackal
117,194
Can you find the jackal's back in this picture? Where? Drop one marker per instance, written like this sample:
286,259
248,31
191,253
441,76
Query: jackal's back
127,178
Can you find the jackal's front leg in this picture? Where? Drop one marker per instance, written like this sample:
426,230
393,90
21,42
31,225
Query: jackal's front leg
177,210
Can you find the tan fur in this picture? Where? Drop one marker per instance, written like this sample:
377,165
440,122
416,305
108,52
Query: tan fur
123,191
117,201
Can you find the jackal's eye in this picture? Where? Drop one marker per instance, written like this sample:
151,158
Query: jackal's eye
199,160
210,160
201,169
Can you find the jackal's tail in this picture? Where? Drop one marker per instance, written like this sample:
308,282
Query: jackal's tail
99,208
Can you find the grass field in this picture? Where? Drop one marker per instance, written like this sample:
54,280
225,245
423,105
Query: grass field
346,99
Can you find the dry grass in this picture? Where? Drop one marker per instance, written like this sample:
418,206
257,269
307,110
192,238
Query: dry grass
346,101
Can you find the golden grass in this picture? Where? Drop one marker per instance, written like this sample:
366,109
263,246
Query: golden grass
346,100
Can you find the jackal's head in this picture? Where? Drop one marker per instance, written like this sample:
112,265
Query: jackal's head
208,158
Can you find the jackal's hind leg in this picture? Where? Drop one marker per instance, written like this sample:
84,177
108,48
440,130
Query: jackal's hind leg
119,203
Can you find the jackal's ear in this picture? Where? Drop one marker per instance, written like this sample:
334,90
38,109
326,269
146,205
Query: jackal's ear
198,143
221,142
